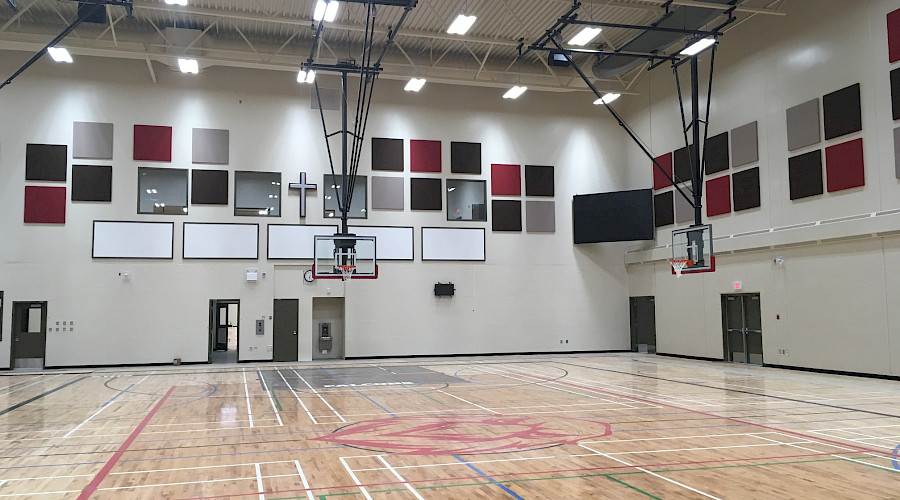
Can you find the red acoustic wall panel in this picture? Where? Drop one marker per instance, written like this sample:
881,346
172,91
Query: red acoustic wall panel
45,205
152,143
844,166
893,29
506,180
424,156
718,196
659,180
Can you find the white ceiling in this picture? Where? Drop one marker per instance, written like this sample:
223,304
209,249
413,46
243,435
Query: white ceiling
276,35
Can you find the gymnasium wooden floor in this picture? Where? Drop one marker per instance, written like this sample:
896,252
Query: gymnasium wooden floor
614,426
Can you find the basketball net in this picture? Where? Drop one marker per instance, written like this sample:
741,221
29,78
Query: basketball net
678,265
346,272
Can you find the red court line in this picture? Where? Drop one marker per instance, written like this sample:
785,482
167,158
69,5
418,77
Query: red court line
92,486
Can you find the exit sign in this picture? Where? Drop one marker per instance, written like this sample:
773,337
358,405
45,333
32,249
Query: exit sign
737,285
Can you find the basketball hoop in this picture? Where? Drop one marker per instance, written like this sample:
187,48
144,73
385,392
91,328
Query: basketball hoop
347,272
678,265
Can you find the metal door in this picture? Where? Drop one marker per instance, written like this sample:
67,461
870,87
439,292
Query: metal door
742,324
29,334
285,326
643,324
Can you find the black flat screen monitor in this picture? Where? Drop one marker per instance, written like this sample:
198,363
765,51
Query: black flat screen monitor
616,216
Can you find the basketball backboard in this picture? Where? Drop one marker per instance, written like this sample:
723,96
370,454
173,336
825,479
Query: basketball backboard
695,245
332,252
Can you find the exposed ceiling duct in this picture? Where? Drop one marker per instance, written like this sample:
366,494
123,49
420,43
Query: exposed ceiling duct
680,17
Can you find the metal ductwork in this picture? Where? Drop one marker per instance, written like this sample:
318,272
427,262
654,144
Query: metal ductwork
680,17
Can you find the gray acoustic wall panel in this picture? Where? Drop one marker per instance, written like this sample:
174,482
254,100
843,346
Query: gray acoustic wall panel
803,125
91,183
387,193
897,151
45,162
331,99
426,194
744,145
540,216
684,212
210,146
92,140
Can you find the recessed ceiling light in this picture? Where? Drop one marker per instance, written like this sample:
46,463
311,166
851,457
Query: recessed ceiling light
461,24
584,36
176,2
698,46
608,98
415,85
188,66
515,92
306,76
325,10
59,54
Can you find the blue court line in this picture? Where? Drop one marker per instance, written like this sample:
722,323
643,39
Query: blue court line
482,474
123,391
895,454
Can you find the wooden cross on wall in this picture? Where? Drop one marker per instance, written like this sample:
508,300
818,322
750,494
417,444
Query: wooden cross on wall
303,186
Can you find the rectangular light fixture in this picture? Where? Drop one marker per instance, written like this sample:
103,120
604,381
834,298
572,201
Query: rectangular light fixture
461,24
584,36
325,10
188,66
515,92
306,76
698,46
176,2
59,54
608,98
415,85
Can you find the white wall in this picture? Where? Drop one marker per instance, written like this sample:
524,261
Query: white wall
837,298
532,291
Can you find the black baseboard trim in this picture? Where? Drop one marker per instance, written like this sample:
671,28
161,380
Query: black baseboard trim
833,372
119,365
685,356
460,355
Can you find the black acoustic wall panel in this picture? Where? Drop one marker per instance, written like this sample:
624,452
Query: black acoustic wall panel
616,216
681,160
745,189
465,157
805,175
91,183
387,154
664,209
45,162
538,180
506,215
425,194
895,93
716,154
209,187
842,112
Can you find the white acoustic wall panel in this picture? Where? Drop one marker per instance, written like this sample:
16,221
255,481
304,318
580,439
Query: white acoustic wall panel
294,241
391,243
452,243
132,240
221,241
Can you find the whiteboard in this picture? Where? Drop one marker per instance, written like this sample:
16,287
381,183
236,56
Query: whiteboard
294,241
132,240
391,243
221,241
452,243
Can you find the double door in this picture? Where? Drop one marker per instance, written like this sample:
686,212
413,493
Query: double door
742,324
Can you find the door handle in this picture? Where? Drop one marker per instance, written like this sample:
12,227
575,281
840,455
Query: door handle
295,333
17,339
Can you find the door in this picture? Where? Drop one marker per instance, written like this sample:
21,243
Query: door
285,324
29,334
224,318
742,325
643,324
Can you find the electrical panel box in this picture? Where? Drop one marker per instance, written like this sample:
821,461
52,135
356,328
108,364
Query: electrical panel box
444,289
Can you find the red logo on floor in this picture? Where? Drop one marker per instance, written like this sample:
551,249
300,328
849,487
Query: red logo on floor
465,434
